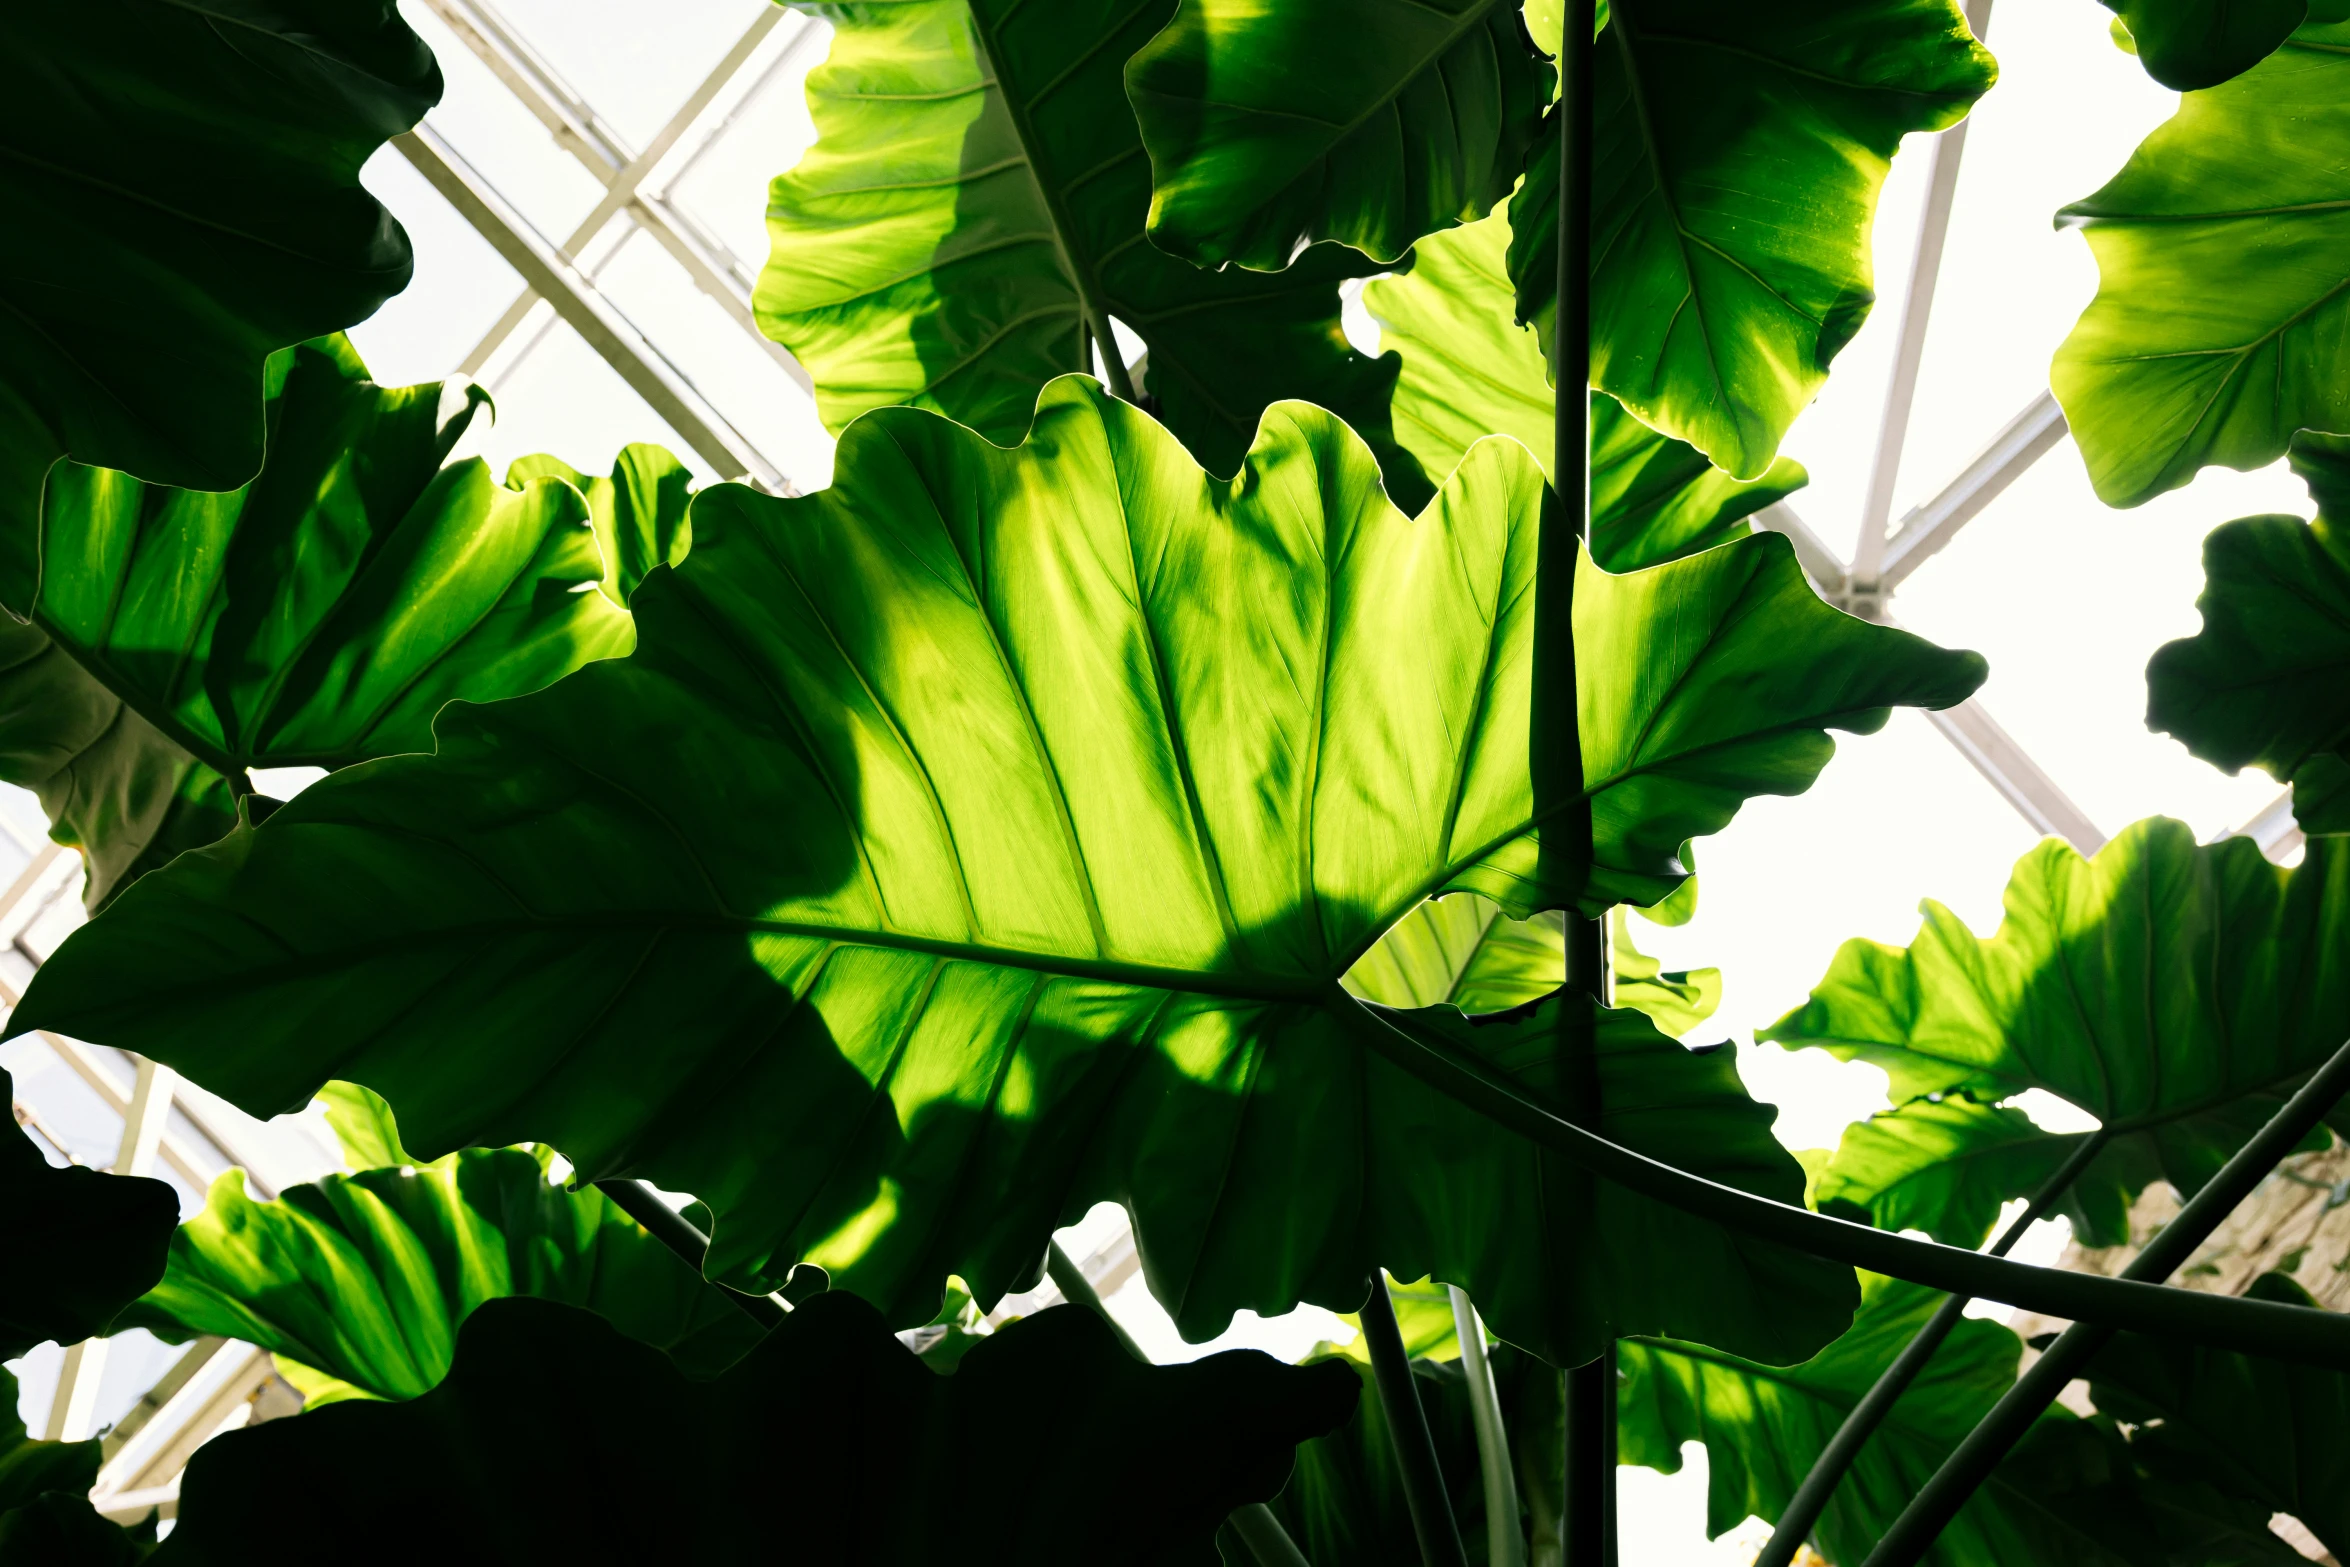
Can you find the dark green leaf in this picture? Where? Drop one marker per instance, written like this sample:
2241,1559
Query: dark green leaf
1739,153
28,1467
1369,122
323,614
2187,44
80,1245
2083,1476
60,1529
2271,1436
1344,1504
183,198
951,830
977,182
1048,1444
365,1127
2224,288
1469,370
2266,683
369,1277
2175,991
1763,1426
111,783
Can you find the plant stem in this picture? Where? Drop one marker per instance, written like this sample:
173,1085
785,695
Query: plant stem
1503,1545
1827,1471
2252,1327
671,1228
1252,1522
1915,1531
1589,1491
1591,1461
1407,1428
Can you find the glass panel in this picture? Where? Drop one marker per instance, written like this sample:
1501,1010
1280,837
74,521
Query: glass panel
461,285
635,62
503,139
725,183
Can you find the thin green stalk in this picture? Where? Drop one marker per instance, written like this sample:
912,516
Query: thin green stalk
673,1230
1407,1428
2252,1327
1503,1546
1252,1523
1589,1488
1591,1461
1915,1531
1827,1471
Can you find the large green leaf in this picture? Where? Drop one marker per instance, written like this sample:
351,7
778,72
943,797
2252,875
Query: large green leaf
1003,821
1946,1165
2223,285
2176,991
45,1515
2084,1478
1369,122
322,615
1048,1444
1463,951
2187,44
183,198
976,185
80,1245
2269,1434
1469,370
112,784
637,511
369,1277
1763,1426
2267,681
1738,157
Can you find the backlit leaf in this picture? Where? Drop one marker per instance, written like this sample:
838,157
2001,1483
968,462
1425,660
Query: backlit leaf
2176,991
1469,370
1369,122
1739,154
2223,289
977,176
369,1277
1004,820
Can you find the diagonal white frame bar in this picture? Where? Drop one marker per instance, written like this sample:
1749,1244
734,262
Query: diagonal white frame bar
604,153
1909,354
556,279
1925,529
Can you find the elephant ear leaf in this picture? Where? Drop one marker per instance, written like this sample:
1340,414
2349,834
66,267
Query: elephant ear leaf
1060,1442
2272,1437
201,164
970,221
2176,991
1738,155
1469,371
2266,683
2191,44
1369,122
112,785
367,1279
2238,202
978,781
319,616
80,1245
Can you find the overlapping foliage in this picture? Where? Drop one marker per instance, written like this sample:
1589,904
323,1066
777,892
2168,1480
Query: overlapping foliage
1044,813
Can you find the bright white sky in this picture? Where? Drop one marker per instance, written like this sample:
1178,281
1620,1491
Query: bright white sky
2065,597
